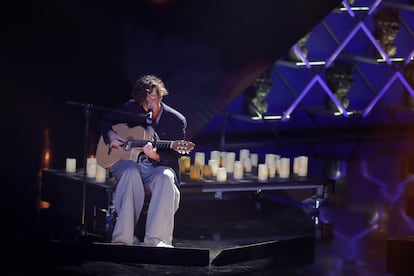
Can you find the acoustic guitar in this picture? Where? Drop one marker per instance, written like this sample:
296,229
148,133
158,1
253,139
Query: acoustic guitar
136,138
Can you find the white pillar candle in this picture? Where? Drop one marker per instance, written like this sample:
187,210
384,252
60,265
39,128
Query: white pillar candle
230,159
222,162
207,173
269,157
215,155
238,170
185,163
70,165
271,166
262,172
214,164
295,165
199,159
255,159
221,174
284,171
195,172
277,165
303,165
244,154
91,167
100,174
247,164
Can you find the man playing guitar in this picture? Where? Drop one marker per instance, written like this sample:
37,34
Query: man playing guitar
150,164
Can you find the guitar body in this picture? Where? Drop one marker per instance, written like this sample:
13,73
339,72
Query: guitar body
136,138
106,157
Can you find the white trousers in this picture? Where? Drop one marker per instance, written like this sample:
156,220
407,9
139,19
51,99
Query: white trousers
133,179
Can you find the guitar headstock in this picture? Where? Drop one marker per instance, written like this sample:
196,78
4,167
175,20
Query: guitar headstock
182,146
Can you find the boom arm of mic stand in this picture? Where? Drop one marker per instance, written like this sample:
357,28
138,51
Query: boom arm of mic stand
97,107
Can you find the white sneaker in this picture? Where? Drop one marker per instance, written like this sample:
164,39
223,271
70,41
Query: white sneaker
155,242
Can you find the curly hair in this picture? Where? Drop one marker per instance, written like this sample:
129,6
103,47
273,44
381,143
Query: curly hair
144,84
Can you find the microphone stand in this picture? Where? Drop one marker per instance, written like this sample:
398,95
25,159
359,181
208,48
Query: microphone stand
82,228
87,109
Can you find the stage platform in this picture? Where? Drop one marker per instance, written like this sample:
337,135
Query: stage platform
217,223
287,252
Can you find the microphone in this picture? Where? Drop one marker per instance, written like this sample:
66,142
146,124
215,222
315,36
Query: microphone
149,116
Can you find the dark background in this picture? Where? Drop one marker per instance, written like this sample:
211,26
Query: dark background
91,52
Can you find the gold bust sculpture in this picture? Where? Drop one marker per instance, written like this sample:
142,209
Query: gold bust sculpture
293,56
387,26
255,96
339,78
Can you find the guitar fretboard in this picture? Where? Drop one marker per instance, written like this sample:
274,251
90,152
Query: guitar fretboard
162,144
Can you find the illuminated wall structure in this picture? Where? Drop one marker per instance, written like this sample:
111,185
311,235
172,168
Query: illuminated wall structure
376,40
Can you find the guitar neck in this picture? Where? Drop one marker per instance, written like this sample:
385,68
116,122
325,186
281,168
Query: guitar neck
161,144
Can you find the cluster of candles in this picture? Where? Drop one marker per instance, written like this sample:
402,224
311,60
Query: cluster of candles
93,170
222,163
